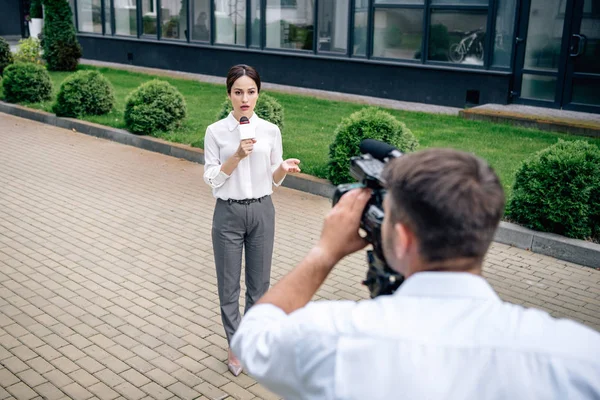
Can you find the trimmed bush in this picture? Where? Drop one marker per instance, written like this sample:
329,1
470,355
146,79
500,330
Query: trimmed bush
27,83
29,51
61,49
267,108
368,123
6,57
558,190
154,106
84,93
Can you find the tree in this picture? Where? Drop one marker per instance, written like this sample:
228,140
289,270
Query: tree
61,49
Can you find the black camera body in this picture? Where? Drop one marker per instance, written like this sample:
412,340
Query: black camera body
367,169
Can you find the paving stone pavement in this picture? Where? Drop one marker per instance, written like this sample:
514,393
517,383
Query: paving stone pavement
107,282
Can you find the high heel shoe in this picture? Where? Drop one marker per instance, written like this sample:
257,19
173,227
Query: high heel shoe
234,364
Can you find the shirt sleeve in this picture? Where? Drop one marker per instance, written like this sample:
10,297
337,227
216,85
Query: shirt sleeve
266,352
213,175
291,355
277,155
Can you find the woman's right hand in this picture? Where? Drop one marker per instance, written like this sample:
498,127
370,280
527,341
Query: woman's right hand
245,148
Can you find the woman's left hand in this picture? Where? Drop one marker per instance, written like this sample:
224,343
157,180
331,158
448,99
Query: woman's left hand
290,165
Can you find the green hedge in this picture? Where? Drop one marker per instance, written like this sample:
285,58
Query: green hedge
368,123
26,83
6,57
558,190
61,49
84,93
154,106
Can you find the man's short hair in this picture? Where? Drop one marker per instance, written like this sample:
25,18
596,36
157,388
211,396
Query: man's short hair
450,199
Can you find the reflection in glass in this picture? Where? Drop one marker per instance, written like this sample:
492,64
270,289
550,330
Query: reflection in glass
230,21
361,14
255,18
586,91
538,87
333,26
200,20
505,20
290,24
174,19
89,15
544,35
107,24
397,33
463,32
149,17
125,17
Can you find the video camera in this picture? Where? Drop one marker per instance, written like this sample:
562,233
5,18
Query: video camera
367,169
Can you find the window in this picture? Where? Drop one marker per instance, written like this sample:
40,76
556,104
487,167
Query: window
503,37
173,19
107,18
333,26
361,15
230,21
457,36
256,25
149,17
89,14
200,10
125,17
290,27
397,33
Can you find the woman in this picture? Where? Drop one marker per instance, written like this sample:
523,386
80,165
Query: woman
242,174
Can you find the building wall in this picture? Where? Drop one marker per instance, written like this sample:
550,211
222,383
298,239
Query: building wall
427,84
10,18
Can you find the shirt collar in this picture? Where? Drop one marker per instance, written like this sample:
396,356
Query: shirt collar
447,284
233,123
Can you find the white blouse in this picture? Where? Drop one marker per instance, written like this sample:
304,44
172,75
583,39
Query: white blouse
253,177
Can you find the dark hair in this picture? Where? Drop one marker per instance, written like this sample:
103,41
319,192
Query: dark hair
237,71
450,199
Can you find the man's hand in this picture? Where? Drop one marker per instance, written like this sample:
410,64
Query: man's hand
339,236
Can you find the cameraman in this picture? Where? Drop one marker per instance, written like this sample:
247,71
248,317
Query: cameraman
444,334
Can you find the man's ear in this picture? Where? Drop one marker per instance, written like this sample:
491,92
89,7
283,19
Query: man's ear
404,240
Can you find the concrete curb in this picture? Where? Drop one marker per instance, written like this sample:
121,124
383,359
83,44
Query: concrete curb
572,250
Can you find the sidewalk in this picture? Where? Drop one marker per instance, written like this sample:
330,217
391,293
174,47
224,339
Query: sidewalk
107,282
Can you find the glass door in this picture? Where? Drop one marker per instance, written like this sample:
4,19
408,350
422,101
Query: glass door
557,61
582,80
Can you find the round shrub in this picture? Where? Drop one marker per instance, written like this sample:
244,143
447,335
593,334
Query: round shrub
558,190
267,108
26,82
154,106
84,93
368,123
6,57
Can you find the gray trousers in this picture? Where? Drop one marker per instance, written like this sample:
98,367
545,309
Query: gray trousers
237,226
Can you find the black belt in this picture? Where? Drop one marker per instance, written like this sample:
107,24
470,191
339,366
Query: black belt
246,201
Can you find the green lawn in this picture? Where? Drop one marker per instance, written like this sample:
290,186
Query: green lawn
310,123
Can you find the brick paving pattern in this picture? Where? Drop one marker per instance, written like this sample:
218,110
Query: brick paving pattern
107,282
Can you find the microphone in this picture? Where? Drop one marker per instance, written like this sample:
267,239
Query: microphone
379,150
246,130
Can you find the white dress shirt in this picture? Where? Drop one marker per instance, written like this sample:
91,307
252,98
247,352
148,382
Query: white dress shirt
253,177
442,335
